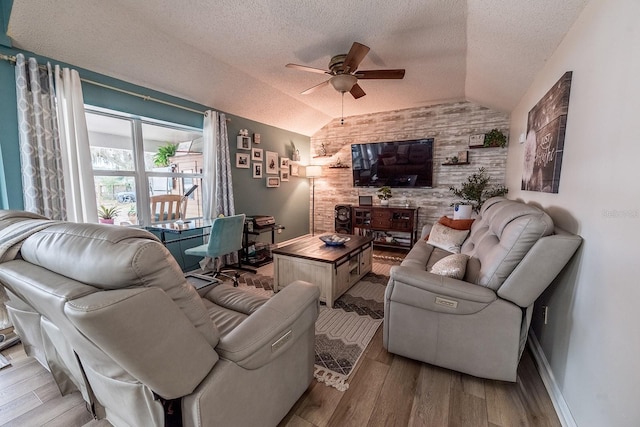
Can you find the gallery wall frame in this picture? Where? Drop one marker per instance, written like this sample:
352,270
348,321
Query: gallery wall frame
272,164
243,142
242,160
273,181
257,169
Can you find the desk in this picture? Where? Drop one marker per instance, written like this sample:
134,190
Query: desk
173,235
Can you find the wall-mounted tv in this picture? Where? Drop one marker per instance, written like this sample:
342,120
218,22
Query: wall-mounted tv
395,164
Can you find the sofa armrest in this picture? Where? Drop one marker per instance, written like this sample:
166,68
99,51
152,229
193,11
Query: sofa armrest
273,327
428,291
539,267
426,229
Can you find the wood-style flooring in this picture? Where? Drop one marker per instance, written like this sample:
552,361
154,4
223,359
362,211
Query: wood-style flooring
386,390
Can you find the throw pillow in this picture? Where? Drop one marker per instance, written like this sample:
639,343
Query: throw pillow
451,266
447,238
456,224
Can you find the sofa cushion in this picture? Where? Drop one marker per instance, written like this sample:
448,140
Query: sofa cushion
447,238
456,224
453,265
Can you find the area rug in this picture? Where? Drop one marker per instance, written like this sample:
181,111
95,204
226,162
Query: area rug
344,331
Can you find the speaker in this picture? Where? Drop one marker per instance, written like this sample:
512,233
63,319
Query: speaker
343,219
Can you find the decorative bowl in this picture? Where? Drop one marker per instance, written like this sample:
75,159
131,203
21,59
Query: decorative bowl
334,240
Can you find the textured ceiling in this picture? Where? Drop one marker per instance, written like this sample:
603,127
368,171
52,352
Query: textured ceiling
230,54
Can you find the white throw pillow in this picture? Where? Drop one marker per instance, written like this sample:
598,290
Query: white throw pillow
451,266
447,238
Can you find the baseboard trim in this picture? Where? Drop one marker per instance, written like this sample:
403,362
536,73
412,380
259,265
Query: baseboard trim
549,380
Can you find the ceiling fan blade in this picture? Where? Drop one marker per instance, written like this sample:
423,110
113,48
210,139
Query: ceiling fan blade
314,88
305,68
355,56
380,74
357,91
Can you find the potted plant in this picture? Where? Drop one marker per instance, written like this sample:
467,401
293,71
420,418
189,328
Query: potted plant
476,190
495,138
107,214
161,158
133,214
384,194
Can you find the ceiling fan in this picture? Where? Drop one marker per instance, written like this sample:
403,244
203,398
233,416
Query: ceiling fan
344,73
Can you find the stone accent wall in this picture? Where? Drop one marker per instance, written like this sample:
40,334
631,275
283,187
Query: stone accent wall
449,124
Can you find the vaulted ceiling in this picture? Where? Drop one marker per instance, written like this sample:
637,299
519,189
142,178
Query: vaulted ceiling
231,54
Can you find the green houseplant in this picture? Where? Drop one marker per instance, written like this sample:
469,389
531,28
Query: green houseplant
107,214
384,194
476,190
161,158
495,138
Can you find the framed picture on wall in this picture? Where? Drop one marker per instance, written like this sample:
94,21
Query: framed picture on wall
284,174
273,181
243,142
242,160
256,154
295,169
284,163
272,162
257,170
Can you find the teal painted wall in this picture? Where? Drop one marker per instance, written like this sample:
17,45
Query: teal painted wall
289,204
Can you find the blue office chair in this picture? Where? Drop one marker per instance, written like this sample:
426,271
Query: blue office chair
225,238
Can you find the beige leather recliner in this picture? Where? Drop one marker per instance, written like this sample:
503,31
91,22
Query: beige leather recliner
477,325
108,311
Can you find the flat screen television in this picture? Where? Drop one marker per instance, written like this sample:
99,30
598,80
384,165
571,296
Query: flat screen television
395,164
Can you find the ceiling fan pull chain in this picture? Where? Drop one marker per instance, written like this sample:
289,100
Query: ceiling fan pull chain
342,113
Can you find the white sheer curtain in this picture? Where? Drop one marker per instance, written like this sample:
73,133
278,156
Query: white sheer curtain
76,155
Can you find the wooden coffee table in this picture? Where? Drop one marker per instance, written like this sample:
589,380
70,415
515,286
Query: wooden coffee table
334,268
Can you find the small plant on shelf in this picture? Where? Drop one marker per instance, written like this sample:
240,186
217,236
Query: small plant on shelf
495,138
384,194
476,190
108,213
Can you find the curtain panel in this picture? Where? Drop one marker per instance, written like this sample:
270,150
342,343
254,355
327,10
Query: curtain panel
42,176
217,182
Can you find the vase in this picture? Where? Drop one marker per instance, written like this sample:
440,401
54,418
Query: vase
462,211
384,202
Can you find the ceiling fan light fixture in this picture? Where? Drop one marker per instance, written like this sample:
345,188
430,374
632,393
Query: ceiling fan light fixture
343,82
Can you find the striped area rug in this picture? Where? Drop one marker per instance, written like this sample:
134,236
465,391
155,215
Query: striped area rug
344,331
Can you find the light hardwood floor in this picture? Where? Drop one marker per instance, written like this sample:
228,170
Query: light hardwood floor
386,390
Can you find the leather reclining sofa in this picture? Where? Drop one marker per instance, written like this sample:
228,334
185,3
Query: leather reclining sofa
107,311
478,324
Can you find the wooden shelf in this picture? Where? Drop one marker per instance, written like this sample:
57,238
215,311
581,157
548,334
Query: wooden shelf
482,146
456,164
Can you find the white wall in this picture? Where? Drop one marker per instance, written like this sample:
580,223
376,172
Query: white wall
592,340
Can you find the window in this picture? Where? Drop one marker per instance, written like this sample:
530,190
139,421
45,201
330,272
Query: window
135,159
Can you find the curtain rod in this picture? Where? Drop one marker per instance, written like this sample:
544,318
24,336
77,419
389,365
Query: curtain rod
12,59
